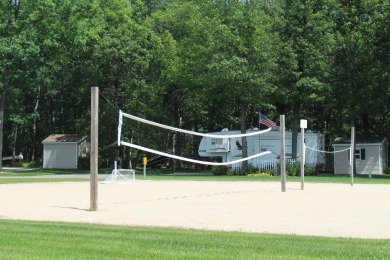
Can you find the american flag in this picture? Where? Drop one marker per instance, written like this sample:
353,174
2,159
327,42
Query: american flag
266,121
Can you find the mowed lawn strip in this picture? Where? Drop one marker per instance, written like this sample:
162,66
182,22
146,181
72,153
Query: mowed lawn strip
51,240
323,178
34,175
36,180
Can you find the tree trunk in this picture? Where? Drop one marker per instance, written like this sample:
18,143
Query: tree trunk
244,140
14,144
2,105
176,146
34,151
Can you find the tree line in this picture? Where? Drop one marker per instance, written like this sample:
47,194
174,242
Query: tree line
202,65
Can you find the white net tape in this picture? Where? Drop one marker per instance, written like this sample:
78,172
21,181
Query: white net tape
192,160
310,148
187,131
121,114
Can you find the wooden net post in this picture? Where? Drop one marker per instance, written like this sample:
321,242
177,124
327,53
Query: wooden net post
94,147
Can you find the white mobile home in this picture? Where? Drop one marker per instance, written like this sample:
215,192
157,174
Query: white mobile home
61,151
371,155
229,149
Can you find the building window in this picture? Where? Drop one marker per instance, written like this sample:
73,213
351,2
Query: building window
360,154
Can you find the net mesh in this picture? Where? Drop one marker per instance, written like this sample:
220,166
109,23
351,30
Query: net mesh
121,176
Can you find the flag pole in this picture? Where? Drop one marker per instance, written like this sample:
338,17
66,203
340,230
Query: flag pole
259,130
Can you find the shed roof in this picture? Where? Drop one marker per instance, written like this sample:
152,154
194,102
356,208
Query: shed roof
64,138
359,140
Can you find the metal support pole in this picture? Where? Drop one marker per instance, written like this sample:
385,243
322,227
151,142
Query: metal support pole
282,154
145,163
302,158
303,124
115,173
94,147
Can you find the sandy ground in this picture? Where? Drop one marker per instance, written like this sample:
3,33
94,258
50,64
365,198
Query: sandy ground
334,210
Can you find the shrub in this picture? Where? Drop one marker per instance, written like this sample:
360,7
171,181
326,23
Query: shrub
273,172
263,174
230,171
219,170
310,171
387,170
293,168
241,172
31,164
84,163
251,169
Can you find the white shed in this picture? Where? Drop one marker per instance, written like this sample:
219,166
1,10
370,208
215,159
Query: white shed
371,155
61,151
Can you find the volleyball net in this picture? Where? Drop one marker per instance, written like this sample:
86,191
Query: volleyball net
193,136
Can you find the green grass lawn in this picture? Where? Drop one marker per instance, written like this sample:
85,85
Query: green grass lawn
33,175
48,240
323,178
192,176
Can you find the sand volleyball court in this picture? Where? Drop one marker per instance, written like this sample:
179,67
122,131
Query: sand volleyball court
334,210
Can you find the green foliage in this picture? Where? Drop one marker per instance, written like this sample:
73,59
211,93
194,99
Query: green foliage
202,65
262,174
387,170
293,168
84,162
310,171
230,172
219,170
32,164
250,170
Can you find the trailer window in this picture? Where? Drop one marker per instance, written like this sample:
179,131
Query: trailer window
215,141
266,148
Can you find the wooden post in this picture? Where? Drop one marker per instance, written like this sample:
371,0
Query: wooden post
282,154
352,153
94,147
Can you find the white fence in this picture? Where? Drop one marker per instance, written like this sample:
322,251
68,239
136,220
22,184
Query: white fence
262,164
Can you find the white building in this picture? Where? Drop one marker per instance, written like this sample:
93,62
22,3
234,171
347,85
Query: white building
229,149
371,155
61,151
